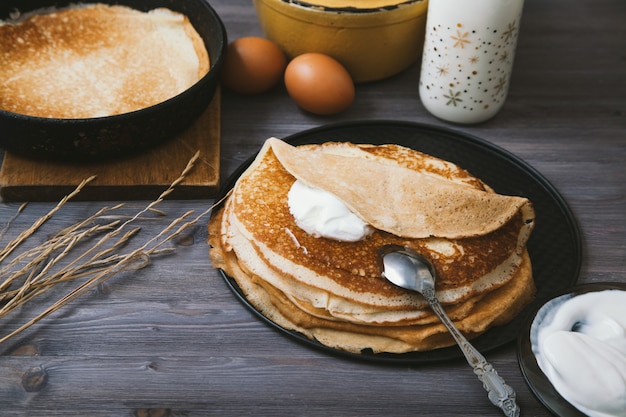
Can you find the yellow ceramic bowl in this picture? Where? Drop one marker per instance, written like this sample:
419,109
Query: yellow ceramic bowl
373,39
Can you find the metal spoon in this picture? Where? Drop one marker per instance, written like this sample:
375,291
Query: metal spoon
407,269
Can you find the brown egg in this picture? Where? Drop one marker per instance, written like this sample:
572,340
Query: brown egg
253,65
319,84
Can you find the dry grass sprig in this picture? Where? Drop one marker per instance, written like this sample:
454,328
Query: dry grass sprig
53,262
31,258
8,224
39,222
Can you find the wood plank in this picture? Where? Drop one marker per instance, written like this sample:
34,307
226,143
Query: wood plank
172,340
141,177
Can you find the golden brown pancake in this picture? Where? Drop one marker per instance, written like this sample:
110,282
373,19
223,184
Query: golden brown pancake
97,60
333,291
400,200
496,308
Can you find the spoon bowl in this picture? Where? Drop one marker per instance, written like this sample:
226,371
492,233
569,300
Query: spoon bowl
407,269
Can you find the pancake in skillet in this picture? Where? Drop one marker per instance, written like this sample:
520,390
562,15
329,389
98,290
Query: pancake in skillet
97,60
333,291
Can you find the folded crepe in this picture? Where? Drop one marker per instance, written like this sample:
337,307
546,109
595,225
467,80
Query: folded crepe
398,200
333,291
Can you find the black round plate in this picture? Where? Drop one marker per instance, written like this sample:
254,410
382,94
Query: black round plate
555,246
539,384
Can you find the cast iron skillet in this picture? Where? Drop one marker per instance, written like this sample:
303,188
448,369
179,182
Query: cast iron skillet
85,140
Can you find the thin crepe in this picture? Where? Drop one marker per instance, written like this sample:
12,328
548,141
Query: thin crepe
401,201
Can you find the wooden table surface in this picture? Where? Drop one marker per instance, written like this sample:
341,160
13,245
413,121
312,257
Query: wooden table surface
171,339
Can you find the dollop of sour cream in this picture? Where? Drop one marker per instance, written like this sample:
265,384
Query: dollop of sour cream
321,214
580,345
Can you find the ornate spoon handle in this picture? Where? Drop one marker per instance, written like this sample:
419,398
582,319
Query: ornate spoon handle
500,394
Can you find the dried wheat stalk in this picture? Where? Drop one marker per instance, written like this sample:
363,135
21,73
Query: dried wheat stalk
41,268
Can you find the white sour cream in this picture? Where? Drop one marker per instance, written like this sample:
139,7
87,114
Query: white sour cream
321,214
580,345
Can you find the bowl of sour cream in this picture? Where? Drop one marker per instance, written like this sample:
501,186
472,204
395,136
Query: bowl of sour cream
572,351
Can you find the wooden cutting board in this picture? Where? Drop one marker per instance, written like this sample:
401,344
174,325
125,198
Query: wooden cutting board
142,177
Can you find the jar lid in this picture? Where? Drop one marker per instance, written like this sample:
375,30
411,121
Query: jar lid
352,5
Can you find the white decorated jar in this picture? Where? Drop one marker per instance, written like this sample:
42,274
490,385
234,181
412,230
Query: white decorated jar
468,57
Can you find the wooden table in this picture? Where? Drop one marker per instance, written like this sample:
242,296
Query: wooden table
171,339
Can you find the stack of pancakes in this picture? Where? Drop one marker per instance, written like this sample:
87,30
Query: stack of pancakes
333,291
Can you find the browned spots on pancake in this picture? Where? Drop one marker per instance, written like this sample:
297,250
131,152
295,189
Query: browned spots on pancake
96,60
420,161
45,32
265,213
